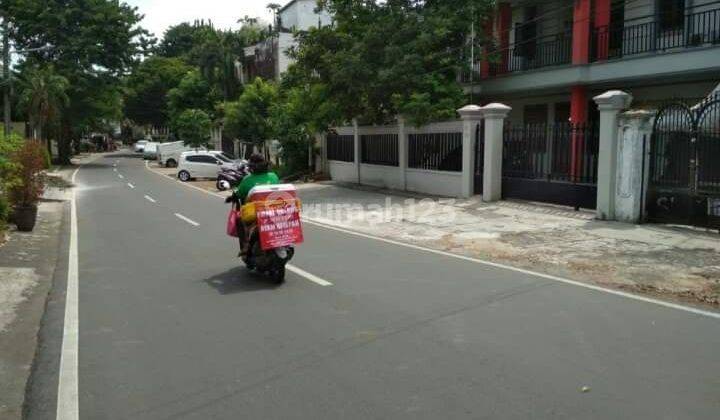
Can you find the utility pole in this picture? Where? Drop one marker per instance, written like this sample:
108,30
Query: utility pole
6,74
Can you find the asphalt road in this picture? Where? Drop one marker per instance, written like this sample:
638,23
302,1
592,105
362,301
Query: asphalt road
172,326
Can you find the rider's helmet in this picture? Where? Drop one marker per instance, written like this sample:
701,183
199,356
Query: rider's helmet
258,164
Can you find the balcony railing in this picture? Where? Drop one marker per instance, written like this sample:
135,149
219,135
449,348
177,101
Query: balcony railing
606,42
696,29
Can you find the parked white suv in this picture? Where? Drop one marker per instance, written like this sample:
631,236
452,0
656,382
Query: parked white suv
202,164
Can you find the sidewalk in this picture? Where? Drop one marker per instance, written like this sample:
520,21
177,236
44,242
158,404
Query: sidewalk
28,262
674,262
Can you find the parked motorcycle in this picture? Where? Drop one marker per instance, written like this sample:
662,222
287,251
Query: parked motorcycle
231,177
271,228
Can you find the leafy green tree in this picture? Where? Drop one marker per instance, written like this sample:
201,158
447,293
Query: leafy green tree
193,92
381,59
43,95
91,43
147,87
248,118
296,118
193,127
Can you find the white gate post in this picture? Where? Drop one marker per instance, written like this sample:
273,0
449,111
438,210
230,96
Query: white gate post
356,144
633,164
471,117
610,104
494,115
402,151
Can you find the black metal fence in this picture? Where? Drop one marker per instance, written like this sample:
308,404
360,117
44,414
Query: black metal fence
341,147
684,178
379,149
551,163
657,33
435,151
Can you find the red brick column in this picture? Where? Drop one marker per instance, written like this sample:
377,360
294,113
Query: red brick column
487,31
581,32
504,20
602,28
578,117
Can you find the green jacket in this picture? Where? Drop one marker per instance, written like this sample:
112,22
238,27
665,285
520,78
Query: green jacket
252,180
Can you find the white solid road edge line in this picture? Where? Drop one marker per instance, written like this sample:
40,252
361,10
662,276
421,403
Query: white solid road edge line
690,309
67,397
150,199
312,277
627,295
181,217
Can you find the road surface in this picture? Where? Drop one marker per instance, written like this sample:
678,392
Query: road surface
172,326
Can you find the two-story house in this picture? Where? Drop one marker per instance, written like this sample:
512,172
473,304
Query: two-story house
269,58
547,59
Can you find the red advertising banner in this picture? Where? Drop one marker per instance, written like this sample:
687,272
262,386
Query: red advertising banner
278,223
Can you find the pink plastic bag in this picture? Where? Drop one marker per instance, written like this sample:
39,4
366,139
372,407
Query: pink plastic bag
232,224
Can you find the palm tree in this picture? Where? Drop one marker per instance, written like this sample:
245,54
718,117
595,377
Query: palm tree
43,96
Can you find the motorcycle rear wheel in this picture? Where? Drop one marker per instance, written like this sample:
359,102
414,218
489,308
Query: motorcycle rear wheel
277,274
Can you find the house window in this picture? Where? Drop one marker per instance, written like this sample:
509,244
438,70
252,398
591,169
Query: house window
671,14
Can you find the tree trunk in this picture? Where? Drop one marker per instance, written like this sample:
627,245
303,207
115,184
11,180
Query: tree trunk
64,146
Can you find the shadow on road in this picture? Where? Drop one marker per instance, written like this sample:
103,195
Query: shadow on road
238,280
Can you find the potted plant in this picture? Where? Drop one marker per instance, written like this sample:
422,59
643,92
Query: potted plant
30,183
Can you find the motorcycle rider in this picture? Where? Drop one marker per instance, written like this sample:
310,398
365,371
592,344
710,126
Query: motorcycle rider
260,174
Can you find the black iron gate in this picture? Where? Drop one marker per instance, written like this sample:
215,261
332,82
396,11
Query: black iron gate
684,179
479,157
551,163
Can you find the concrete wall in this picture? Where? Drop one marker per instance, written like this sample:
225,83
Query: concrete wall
381,176
343,171
434,182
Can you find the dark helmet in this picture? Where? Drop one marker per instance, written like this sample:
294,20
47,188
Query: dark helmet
258,164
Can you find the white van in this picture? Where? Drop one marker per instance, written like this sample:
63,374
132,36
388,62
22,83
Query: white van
169,153
150,151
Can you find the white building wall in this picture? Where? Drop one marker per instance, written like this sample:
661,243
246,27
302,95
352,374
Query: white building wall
285,42
300,15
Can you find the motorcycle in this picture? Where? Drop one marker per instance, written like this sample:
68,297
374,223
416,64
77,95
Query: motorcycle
271,228
230,178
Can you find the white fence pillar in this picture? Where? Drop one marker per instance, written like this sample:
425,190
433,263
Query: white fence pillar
356,143
633,164
610,104
494,115
402,151
471,117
